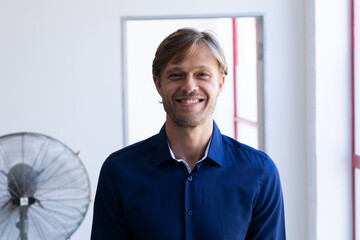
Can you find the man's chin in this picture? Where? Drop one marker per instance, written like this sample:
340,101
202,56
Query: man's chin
187,122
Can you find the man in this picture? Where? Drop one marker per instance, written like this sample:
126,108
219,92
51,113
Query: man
189,181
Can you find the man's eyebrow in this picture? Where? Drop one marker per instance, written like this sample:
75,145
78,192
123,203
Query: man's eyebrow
178,68
175,68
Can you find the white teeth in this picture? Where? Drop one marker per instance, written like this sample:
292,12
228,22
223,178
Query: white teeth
190,101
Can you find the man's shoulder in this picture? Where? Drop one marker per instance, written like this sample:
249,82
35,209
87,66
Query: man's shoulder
134,152
236,146
137,147
245,155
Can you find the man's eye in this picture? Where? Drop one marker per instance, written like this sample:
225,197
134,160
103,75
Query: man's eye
202,74
175,75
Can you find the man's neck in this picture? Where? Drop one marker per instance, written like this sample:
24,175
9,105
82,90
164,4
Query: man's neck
189,144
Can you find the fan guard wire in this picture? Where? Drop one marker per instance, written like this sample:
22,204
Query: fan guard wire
44,188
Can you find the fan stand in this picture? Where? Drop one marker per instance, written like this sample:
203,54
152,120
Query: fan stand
23,223
21,181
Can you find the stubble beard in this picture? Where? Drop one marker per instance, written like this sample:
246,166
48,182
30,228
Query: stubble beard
189,120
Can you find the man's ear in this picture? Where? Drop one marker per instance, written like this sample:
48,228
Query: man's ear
157,85
221,84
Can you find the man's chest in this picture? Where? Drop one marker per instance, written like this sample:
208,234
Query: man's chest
193,206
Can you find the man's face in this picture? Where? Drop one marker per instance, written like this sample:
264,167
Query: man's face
189,89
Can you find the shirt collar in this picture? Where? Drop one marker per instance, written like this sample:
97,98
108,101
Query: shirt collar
184,162
214,149
216,146
162,150
180,160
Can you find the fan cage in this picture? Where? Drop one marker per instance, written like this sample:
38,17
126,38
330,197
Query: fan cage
44,188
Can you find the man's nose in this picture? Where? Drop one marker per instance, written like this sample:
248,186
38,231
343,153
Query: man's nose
190,84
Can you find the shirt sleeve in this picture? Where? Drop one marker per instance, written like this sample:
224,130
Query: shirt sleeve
108,219
268,209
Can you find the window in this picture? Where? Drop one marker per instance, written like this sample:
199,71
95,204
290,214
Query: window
239,108
247,47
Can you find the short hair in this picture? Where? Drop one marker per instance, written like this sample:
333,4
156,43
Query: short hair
183,43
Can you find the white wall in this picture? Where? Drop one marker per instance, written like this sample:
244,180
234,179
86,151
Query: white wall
285,112
333,120
60,75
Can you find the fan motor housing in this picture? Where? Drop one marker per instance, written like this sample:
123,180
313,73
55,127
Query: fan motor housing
22,181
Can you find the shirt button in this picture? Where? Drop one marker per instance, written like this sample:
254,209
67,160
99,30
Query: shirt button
190,212
190,178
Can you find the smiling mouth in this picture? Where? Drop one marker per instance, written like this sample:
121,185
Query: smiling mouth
189,101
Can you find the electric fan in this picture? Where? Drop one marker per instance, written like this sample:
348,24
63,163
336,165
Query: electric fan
44,188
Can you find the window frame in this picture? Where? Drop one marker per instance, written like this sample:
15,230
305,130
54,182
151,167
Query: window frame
355,159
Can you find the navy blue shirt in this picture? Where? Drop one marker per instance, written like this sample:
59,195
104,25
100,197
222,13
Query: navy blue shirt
142,193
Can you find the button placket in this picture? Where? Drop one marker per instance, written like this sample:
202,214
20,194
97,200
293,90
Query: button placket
189,211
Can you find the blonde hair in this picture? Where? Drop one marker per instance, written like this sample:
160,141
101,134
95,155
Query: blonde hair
182,43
